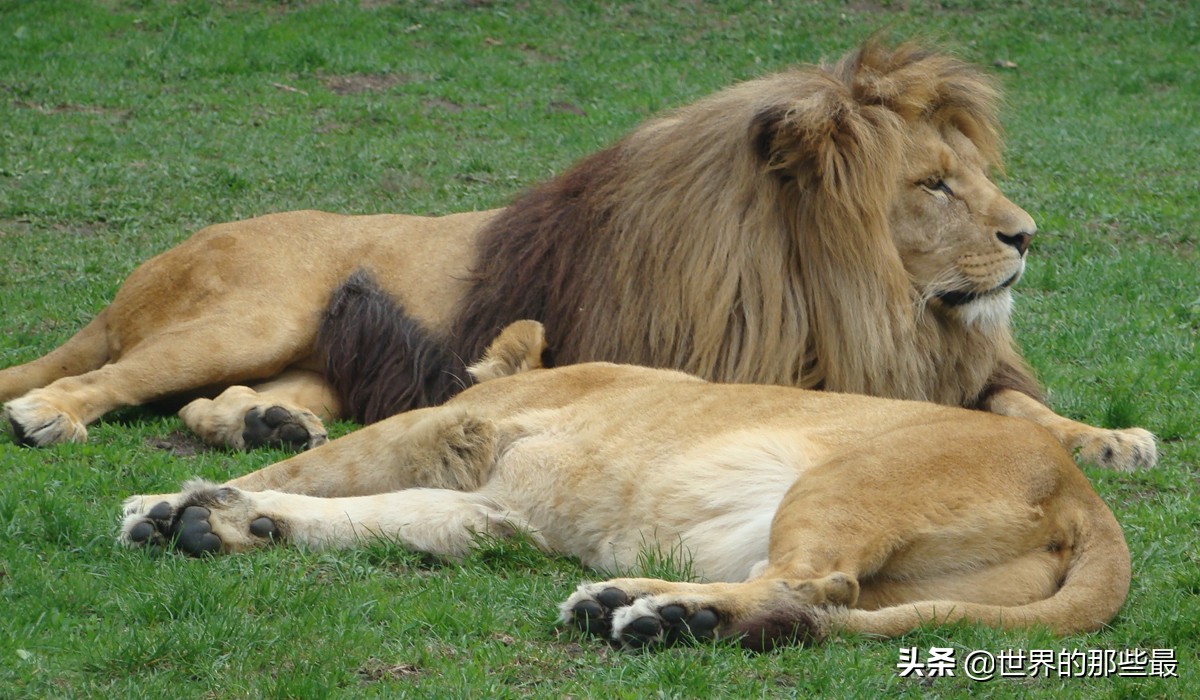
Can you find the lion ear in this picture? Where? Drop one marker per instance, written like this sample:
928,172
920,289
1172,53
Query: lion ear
827,138
764,133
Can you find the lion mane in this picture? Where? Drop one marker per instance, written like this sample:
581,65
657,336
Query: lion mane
742,238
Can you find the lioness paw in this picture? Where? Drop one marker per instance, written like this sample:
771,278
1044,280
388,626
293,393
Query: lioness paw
203,519
617,610
590,608
665,620
758,615
1123,450
36,422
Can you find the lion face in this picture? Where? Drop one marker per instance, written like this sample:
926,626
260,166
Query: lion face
961,241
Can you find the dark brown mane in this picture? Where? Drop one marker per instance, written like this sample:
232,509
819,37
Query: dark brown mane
535,262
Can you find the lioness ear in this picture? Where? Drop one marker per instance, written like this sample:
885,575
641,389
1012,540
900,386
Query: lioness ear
517,349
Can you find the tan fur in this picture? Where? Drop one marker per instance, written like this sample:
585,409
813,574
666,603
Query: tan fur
789,230
803,513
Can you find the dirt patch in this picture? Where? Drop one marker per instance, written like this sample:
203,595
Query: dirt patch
179,444
375,670
363,82
537,54
73,108
444,104
83,229
13,227
568,108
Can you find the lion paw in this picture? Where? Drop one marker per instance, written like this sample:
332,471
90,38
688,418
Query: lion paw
240,419
1123,450
280,426
204,519
36,422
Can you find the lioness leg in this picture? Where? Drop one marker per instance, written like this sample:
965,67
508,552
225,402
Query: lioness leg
188,357
288,410
1123,450
439,447
210,519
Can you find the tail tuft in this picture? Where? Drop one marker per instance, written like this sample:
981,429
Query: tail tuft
786,626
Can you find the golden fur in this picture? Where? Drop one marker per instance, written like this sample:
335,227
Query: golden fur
803,513
830,227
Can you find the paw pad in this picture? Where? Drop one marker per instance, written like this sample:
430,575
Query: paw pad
671,626
195,533
594,616
264,527
276,426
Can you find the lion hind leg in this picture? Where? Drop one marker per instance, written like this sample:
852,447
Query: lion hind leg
209,519
37,420
287,411
85,351
189,357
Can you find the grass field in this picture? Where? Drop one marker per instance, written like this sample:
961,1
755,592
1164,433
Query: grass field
124,126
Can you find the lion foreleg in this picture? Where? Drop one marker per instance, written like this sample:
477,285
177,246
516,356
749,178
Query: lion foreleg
1123,450
441,447
209,519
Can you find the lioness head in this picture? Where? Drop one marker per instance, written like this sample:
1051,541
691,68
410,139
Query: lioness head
961,240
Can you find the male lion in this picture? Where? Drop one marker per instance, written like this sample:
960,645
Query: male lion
809,512
830,227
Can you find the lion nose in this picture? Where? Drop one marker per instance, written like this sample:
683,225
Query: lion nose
1019,240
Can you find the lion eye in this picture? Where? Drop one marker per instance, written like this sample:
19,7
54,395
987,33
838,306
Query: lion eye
937,184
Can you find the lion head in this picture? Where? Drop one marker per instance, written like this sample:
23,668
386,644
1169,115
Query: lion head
832,226
961,241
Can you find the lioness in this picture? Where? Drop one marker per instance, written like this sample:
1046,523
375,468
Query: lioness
807,512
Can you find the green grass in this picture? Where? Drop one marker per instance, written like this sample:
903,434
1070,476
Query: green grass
124,126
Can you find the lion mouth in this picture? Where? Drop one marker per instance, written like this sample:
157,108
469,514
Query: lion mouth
961,297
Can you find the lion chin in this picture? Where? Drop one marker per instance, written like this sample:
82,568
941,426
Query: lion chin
991,310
